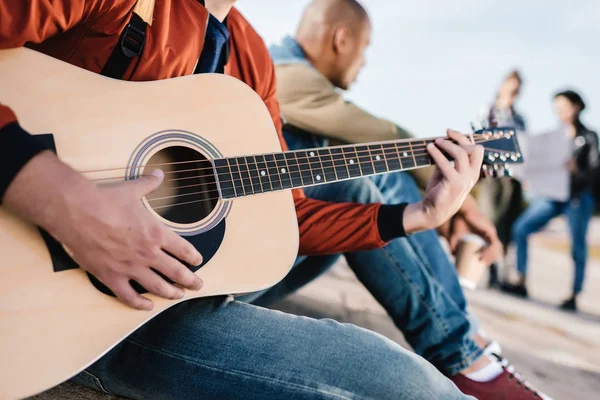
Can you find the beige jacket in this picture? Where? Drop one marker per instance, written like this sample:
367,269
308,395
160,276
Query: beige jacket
309,101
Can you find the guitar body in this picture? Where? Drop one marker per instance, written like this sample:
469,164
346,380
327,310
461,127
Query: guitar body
55,319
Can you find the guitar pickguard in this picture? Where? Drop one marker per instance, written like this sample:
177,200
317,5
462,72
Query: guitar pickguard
206,243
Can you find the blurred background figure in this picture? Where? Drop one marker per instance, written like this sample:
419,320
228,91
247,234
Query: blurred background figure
582,166
501,200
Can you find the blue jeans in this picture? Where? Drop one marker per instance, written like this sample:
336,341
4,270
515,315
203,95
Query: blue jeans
412,277
220,349
578,211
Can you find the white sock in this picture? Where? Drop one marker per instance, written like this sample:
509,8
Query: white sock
487,373
493,348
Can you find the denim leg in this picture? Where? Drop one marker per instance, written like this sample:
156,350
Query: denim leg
535,217
215,349
432,322
579,212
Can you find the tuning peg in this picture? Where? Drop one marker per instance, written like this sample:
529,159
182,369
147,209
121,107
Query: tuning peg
487,171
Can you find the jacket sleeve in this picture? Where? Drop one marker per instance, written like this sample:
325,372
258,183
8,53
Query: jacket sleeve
17,147
588,168
34,21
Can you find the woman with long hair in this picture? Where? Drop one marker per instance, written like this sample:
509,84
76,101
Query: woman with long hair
583,167
501,199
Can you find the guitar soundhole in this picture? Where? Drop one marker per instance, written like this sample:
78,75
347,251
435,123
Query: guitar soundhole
189,192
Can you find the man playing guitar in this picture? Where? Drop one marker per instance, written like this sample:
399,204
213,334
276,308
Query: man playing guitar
211,348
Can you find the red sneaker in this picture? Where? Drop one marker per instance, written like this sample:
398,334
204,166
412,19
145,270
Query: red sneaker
509,385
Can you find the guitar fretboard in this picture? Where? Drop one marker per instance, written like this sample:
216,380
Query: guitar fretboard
249,175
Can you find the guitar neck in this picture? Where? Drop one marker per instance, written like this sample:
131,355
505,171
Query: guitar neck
255,174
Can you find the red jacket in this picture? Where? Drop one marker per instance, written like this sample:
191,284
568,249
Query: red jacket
84,33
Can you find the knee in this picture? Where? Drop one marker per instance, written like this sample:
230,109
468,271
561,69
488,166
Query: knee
579,250
519,231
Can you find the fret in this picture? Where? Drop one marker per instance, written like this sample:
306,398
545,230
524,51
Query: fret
225,178
245,175
292,163
412,152
316,168
391,156
253,171
421,155
273,172
352,162
263,173
380,163
406,159
236,177
327,164
366,161
284,172
305,168
339,162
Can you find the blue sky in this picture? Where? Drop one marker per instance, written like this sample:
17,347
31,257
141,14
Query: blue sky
434,63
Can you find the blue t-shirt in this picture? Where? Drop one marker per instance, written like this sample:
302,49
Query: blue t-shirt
216,48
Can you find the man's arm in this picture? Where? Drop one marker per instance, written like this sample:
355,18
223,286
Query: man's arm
340,227
309,101
109,232
34,21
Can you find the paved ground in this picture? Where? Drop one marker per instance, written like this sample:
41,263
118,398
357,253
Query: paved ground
558,352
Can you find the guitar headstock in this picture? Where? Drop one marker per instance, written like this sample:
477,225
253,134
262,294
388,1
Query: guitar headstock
501,148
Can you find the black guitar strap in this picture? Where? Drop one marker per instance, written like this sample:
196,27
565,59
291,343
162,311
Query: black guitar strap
131,44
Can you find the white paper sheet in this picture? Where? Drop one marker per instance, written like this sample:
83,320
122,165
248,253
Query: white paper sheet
544,170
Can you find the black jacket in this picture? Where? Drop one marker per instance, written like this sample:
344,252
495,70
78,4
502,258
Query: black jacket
587,161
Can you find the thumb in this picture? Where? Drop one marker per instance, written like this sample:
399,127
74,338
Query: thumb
147,183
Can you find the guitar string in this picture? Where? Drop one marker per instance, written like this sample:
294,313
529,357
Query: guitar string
396,143
309,160
361,160
242,189
219,198
248,175
344,148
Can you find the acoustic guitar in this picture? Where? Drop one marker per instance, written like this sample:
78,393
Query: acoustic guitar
226,190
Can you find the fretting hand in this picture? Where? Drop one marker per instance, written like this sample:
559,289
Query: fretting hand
449,185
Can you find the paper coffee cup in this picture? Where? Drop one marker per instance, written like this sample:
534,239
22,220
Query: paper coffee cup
468,264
